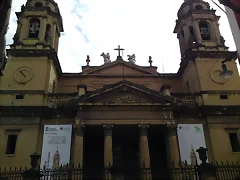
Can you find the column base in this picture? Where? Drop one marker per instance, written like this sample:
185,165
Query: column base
146,174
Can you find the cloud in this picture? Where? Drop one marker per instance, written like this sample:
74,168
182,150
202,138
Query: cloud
142,27
86,40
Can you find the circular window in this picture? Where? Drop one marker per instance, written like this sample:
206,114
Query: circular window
38,4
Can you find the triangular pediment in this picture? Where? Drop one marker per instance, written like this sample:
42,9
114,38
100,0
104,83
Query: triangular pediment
125,93
119,68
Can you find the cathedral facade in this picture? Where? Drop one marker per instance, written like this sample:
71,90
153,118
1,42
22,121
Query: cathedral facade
119,106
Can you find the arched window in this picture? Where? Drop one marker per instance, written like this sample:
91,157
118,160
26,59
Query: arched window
38,4
204,30
192,38
34,28
48,33
198,7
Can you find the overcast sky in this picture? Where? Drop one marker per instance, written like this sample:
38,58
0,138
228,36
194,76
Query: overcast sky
142,27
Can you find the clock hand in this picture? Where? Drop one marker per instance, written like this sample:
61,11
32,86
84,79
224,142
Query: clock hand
22,73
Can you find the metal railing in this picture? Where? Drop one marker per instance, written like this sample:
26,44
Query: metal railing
224,171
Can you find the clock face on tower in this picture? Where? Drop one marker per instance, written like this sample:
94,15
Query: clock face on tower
23,75
215,76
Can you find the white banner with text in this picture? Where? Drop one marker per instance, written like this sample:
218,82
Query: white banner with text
56,146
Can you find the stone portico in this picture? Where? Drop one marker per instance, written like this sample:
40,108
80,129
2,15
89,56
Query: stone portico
122,114
141,145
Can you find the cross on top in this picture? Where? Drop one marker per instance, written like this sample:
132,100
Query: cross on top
119,52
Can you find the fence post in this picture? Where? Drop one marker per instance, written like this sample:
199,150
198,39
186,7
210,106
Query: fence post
205,170
33,173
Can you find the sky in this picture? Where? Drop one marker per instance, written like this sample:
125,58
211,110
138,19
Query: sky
141,27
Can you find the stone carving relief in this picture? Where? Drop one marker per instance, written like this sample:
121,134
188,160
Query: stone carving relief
127,98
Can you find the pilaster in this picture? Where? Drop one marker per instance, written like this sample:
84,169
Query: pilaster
24,29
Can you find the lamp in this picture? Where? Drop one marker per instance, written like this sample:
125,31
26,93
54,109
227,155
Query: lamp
225,72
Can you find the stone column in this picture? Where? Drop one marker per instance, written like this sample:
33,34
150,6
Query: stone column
56,41
42,28
197,31
108,158
144,156
108,154
78,146
172,142
216,31
53,34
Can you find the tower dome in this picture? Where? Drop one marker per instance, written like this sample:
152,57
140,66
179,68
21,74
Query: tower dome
192,5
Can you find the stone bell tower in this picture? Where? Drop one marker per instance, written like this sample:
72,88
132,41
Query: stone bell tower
204,57
39,22
33,62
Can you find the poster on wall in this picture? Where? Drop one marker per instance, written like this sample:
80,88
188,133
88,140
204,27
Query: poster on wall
56,146
190,138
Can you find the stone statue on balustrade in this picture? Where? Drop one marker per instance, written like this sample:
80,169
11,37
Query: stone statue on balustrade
131,59
106,58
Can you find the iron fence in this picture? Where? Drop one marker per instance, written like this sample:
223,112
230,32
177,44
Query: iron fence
224,171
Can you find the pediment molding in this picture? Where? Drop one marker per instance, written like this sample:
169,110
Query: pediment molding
134,67
125,93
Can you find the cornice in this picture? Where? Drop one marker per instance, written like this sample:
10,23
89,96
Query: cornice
179,112
191,55
217,92
50,53
40,9
36,111
41,92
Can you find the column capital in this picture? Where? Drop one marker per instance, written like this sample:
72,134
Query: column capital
144,126
172,129
143,129
79,128
108,129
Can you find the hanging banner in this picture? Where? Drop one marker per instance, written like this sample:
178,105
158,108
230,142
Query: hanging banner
190,138
56,146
